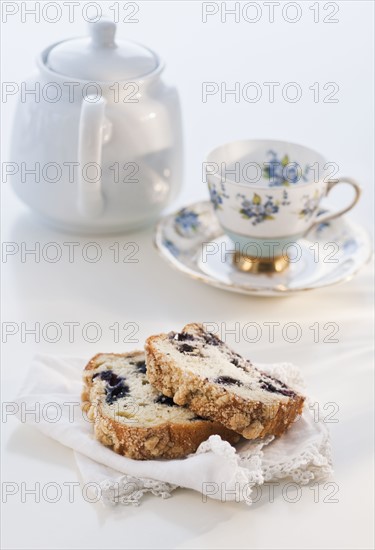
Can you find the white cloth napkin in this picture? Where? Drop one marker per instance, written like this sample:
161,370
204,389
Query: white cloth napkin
217,470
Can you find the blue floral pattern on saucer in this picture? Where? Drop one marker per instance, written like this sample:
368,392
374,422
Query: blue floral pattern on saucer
354,249
187,222
169,245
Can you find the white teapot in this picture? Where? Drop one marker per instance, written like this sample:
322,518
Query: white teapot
97,142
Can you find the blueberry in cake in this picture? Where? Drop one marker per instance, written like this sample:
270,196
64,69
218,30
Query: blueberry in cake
136,420
199,371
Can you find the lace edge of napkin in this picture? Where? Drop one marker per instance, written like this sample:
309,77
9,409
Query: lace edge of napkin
129,490
315,463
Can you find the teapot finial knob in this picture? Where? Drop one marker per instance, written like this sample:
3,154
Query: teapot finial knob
103,33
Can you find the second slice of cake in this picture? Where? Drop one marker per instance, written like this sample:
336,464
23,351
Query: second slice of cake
136,420
198,370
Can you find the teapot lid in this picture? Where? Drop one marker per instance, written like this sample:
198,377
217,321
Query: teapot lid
99,58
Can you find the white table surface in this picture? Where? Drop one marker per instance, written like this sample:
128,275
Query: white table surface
156,298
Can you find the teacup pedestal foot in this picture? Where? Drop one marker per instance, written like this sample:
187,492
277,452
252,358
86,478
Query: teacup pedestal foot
256,265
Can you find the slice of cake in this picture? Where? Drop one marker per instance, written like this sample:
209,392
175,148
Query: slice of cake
135,419
199,371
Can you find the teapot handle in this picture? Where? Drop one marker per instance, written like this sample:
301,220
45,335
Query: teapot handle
92,133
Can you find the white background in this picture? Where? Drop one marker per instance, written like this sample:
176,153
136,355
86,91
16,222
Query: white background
157,299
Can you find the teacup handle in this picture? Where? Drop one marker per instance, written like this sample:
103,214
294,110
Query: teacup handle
331,216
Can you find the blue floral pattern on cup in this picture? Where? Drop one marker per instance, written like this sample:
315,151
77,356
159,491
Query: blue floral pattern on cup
256,211
310,206
217,196
323,225
284,200
283,172
186,222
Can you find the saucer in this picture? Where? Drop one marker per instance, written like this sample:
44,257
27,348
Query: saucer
193,242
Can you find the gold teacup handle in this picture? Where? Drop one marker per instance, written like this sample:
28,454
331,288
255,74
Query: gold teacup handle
331,216
279,264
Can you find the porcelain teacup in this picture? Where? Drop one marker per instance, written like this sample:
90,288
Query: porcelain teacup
267,194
